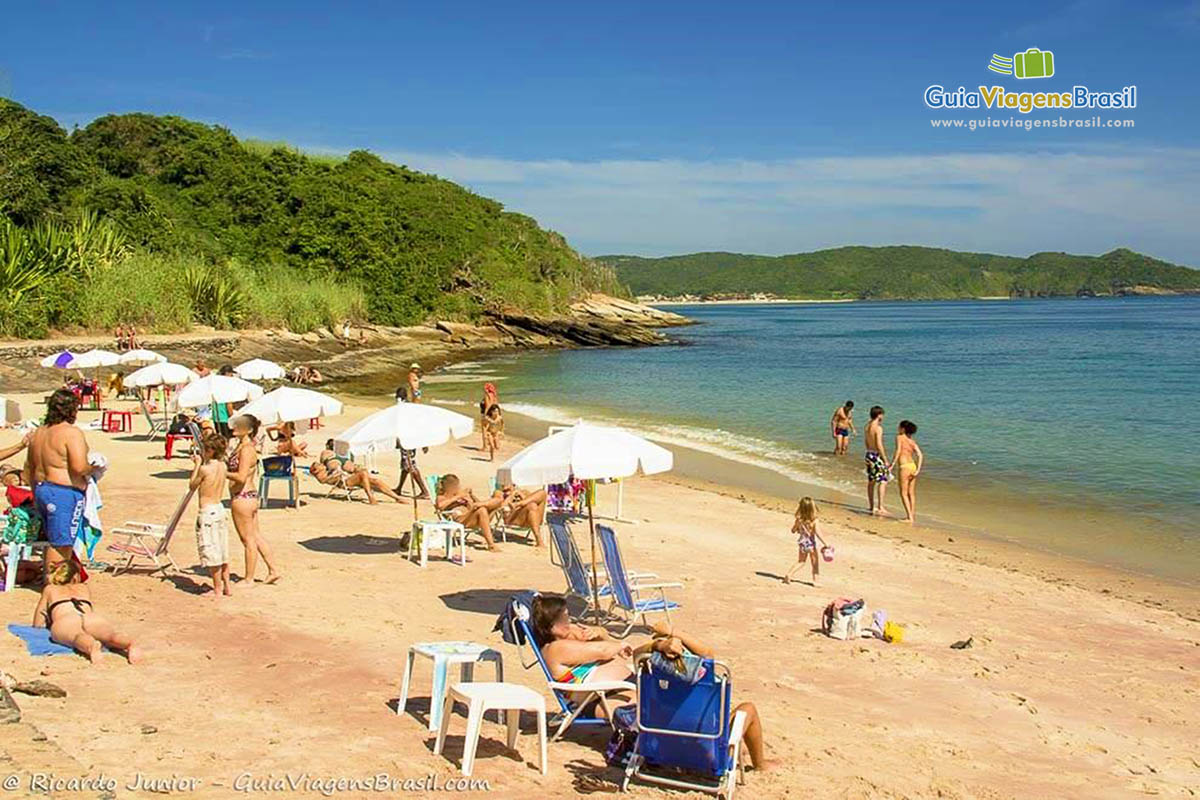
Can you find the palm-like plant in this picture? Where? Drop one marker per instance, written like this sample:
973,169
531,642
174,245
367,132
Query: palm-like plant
216,296
22,267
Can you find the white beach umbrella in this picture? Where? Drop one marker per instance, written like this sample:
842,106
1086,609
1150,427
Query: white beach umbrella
164,373
95,358
140,357
217,389
59,360
260,369
289,404
587,452
404,426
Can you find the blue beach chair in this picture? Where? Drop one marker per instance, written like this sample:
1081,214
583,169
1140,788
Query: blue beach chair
686,738
277,468
578,575
572,698
627,591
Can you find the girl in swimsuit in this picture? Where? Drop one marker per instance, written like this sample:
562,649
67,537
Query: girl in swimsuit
66,609
909,459
243,464
805,528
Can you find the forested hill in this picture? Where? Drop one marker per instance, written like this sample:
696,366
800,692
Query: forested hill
415,245
901,273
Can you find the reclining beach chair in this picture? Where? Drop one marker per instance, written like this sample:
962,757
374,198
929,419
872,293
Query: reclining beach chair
148,541
684,730
577,573
157,426
572,698
627,593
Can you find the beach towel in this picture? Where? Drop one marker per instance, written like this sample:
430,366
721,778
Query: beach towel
38,641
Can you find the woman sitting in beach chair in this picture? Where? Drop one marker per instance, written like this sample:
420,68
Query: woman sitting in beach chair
331,470
578,653
461,505
522,509
286,443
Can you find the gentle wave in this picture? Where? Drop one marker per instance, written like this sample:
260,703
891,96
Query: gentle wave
793,464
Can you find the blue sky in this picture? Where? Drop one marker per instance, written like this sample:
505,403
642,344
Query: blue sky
674,127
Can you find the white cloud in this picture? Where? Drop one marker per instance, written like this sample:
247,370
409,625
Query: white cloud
1085,200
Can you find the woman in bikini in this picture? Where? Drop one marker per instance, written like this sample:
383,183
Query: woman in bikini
523,509
284,435
581,654
329,468
909,460
66,609
243,466
462,506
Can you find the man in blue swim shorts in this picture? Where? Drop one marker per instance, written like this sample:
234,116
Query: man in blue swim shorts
58,468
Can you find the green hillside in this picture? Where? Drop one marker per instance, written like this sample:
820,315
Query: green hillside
900,273
249,220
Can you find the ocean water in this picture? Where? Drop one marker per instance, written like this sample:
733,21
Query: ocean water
1086,410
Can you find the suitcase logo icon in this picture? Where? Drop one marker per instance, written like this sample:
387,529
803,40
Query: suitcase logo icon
1033,63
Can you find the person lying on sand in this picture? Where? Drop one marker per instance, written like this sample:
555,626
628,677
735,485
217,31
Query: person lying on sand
579,654
329,468
524,509
66,609
462,506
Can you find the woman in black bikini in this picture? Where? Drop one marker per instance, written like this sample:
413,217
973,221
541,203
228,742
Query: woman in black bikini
66,609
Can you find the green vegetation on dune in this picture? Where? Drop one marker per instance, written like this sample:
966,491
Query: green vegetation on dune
229,232
900,272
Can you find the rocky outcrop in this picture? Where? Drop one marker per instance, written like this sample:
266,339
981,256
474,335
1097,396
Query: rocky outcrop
598,321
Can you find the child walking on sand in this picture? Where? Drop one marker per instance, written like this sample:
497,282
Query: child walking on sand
805,528
212,526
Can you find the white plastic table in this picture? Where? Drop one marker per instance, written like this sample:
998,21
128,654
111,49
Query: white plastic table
444,654
444,532
483,697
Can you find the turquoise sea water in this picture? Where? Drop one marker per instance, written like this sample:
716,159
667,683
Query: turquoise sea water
1077,404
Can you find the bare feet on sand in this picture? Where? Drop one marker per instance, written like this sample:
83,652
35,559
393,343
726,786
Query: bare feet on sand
134,654
95,653
273,577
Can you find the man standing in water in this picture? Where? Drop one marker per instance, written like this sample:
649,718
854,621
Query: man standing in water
57,467
877,461
842,426
414,383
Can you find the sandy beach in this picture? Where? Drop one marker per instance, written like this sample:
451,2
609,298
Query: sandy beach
1069,690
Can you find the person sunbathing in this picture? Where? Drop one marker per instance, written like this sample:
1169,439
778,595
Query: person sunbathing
284,435
580,654
329,469
523,509
66,609
462,506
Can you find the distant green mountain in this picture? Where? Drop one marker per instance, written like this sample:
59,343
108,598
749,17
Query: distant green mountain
902,272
